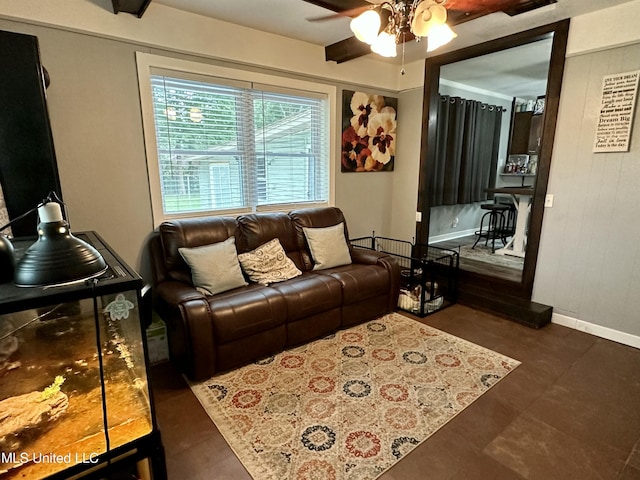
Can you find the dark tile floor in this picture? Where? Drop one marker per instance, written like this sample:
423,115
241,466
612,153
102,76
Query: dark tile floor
570,411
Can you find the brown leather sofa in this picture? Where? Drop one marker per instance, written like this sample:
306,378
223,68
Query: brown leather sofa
209,334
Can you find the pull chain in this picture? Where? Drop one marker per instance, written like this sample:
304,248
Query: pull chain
404,39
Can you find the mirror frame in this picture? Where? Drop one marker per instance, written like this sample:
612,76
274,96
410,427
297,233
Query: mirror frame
473,285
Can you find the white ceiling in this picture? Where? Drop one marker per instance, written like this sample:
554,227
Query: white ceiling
517,72
289,18
283,17
521,72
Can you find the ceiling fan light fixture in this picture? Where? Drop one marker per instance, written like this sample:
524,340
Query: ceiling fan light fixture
366,26
421,18
427,15
385,45
438,36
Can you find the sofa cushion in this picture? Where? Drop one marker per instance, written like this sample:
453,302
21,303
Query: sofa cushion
361,282
214,268
268,264
189,233
258,228
309,294
328,246
245,312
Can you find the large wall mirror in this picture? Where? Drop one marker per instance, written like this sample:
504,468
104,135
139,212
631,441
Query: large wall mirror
489,121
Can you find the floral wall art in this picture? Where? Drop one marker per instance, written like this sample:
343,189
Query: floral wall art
368,132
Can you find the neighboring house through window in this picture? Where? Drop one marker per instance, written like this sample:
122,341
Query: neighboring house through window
226,141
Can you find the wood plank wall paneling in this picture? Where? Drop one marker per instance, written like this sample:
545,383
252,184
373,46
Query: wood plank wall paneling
589,261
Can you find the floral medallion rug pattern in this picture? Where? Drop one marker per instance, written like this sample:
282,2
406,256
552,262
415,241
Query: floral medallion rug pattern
350,405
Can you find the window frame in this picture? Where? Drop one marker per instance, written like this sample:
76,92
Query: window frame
147,62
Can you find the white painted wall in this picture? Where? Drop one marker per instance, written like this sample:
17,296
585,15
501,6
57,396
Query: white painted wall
183,32
94,105
589,260
407,170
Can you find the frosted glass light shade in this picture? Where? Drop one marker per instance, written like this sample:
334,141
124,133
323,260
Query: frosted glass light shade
366,26
427,16
385,45
439,36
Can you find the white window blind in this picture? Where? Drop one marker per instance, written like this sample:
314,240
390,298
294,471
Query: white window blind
227,147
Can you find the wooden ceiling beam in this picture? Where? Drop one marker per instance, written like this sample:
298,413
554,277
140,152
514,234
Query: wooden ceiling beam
339,5
527,6
135,7
345,50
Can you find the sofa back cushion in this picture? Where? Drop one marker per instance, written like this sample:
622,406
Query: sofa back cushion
315,218
259,228
190,233
250,231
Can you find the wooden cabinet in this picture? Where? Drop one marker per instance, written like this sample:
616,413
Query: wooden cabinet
520,133
526,133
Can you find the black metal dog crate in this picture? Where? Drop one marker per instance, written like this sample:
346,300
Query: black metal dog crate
429,279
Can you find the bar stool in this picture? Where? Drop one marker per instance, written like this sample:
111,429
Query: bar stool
510,216
495,226
510,220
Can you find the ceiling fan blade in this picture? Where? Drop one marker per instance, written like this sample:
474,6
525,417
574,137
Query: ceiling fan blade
527,6
461,11
353,12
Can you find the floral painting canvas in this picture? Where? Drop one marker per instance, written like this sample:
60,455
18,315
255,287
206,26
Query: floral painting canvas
368,132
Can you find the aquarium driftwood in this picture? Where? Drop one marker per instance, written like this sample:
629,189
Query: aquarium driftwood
30,410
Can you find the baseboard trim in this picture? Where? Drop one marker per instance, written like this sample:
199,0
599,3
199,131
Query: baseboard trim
597,330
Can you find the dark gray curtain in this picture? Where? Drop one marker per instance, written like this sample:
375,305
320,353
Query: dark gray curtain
468,138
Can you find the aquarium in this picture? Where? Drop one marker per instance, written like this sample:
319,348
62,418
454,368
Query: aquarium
73,375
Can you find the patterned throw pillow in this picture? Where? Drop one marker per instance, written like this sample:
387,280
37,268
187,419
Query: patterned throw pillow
268,264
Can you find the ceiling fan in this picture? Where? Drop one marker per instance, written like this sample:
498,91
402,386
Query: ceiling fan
405,20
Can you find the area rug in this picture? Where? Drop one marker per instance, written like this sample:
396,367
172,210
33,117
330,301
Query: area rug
483,254
350,405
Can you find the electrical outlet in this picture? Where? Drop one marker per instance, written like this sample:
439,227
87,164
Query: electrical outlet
548,200
418,216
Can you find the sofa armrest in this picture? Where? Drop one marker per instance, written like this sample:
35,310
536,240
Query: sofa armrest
187,314
372,257
175,292
366,256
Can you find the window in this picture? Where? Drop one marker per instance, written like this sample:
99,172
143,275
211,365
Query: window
226,145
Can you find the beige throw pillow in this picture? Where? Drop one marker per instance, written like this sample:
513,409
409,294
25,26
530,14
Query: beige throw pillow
215,267
268,264
328,246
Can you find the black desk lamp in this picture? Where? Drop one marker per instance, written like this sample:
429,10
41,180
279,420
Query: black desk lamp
57,257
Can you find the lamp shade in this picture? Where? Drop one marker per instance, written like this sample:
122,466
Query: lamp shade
57,257
366,26
439,36
385,45
428,15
